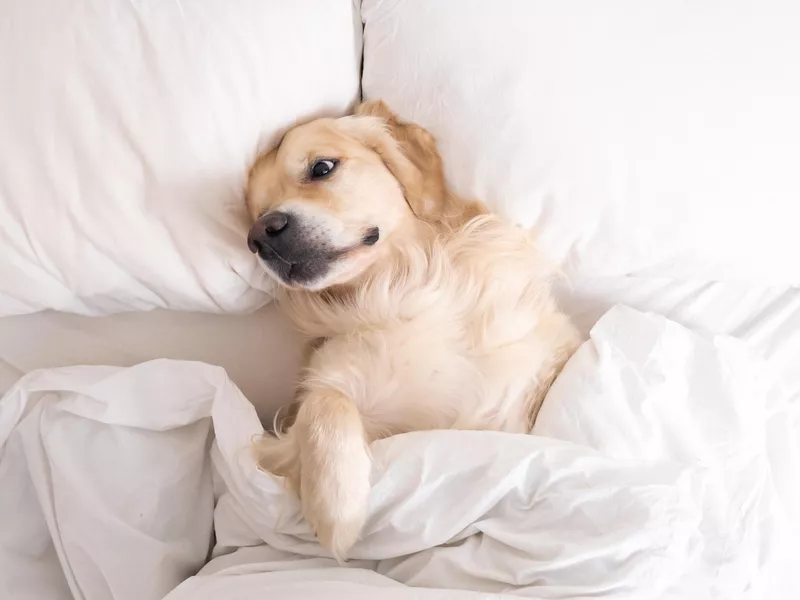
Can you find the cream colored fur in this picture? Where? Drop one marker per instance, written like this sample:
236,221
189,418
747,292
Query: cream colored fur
449,324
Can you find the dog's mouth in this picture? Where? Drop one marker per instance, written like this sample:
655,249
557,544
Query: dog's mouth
298,255
300,268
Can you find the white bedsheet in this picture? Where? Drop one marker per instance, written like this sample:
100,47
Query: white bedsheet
261,353
679,479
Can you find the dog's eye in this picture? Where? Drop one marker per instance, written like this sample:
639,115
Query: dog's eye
323,168
372,236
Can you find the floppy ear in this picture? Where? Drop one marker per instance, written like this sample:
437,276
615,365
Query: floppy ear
408,151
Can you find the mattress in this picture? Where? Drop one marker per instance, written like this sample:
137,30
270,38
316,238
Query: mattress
261,352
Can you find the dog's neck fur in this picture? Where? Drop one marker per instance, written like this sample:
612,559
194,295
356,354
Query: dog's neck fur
405,255
309,310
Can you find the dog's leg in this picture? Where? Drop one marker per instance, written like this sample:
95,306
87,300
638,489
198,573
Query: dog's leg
335,468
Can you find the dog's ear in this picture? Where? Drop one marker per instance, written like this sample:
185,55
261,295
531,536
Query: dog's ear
408,151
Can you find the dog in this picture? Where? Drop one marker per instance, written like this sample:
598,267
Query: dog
422,310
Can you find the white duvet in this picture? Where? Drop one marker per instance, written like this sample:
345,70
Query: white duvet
676,475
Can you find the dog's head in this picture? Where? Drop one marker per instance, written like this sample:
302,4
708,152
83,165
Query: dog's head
329,201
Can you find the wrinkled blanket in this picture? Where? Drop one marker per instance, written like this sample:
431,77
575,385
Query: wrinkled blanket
663,465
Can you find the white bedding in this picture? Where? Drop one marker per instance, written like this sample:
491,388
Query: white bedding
127,129
654,139
680,479
260,352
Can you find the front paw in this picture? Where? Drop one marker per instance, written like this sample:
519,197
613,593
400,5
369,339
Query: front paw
338,533
336,505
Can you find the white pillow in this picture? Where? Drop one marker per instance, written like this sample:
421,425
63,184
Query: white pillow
642,138
126,129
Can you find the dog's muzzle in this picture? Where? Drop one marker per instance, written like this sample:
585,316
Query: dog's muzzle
289,251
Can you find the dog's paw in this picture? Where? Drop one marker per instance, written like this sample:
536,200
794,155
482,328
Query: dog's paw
335,505
334,471
338,535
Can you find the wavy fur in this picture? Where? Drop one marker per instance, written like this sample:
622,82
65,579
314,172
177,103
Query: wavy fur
450,325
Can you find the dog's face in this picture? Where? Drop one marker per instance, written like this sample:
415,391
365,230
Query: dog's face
323,204
329,199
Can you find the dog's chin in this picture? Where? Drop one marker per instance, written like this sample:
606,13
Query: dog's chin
297,267
297,275
312,269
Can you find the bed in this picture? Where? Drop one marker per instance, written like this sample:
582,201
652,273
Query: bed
261,352
662,464
653,150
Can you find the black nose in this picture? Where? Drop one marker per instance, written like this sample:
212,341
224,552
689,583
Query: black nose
268,226
275,222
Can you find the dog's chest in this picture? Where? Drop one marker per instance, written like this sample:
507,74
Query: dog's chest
442,382
447,350
438,370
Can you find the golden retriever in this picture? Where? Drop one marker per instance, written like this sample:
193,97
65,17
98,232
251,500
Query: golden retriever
422,310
